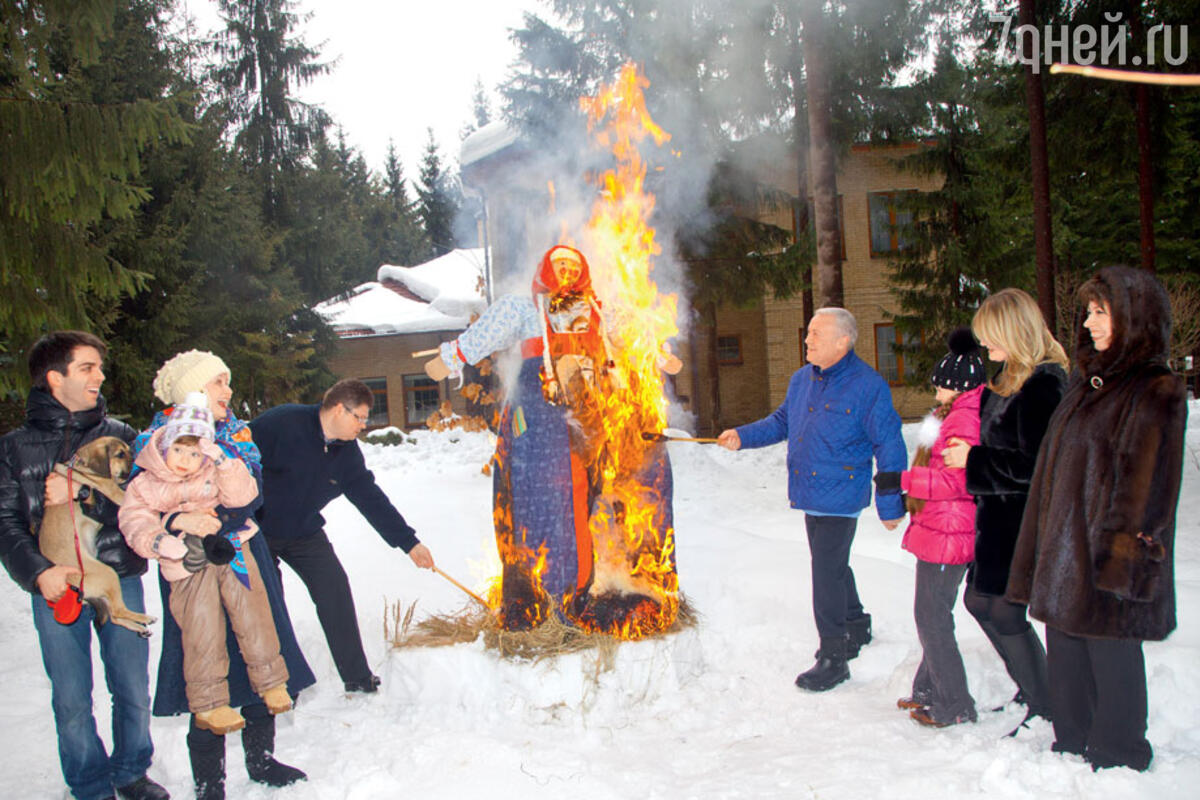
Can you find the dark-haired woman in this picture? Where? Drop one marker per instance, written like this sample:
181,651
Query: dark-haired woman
1094,560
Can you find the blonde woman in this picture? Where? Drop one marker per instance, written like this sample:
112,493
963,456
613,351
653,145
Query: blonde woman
1014,412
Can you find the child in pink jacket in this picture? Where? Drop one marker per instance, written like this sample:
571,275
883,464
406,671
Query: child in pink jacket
183,470
941,534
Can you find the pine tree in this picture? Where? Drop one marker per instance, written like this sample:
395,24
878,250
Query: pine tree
437,200
69,162
263,60
402,237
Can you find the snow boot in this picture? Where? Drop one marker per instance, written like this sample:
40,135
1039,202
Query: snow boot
830,669
142,789
1026,661
258,740
858,634
207,753
220,720
277,699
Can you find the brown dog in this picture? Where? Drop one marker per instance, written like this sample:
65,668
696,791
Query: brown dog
100,464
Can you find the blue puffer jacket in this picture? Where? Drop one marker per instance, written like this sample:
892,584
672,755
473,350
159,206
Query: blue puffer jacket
834,421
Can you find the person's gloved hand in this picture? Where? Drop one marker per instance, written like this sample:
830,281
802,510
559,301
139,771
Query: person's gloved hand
218,549
212,450
195,560
887,481
169,546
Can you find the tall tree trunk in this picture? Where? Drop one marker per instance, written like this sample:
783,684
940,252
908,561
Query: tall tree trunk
1145,153
714,372
823,158
1039,162
796,72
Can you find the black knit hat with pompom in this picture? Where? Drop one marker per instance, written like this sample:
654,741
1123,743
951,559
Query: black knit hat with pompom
961,369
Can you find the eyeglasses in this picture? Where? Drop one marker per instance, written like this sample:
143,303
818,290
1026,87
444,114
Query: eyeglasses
361,420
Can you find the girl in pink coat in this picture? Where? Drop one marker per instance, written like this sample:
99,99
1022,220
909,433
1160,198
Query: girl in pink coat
942,534
183,471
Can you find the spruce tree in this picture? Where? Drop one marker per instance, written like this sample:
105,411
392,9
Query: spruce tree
69,161
437,204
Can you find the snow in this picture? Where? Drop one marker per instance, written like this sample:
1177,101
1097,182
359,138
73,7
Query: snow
450,287
488,140
707,713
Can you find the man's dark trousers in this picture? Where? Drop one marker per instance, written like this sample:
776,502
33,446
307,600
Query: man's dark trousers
313,559
835,595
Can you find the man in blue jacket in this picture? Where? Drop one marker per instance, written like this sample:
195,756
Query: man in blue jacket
310,455
837,415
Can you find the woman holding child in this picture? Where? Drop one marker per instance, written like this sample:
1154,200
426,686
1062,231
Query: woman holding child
181,375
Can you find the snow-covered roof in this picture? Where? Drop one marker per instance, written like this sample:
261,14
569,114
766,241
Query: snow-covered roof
439,295
491,138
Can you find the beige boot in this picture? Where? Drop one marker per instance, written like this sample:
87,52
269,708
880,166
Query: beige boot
220,720
277,699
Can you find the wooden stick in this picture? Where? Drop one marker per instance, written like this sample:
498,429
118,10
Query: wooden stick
478,599
662,437
1128,76
433,351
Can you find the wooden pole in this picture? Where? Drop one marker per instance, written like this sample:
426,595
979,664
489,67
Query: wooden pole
477,598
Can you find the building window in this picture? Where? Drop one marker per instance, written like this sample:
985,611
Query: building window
379,407
891,223
812,219
729,349
421,398
889,360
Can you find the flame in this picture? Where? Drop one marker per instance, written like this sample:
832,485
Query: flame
635,589
634,548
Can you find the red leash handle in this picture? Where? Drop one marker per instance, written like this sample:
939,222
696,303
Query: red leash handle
67,608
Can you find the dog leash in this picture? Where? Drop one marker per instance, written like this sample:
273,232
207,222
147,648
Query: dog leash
67,608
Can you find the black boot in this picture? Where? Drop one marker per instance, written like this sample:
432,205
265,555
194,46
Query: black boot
258,740
1026,661
207,753
858,634
830,669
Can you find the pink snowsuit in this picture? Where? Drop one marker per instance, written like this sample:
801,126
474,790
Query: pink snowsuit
200,600
943,532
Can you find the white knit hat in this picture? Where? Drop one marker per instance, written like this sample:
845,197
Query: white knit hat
192,417
185,373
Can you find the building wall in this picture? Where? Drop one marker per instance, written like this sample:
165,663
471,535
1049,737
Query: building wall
390,357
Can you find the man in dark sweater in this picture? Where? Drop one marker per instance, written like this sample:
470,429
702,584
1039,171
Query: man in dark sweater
310,455
65,411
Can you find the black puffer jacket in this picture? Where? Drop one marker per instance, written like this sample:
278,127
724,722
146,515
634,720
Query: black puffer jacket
1000,468
1096,552
52,434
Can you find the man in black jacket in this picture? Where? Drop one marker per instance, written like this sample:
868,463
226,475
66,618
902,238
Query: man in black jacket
65,410
310,455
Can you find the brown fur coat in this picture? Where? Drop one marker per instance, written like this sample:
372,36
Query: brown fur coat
1095,556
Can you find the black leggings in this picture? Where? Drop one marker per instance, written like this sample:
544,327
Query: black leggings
1007,618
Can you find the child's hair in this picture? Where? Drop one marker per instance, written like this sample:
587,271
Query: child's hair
923,455
187,439
1011,320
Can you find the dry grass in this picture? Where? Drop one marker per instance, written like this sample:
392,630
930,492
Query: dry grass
550,639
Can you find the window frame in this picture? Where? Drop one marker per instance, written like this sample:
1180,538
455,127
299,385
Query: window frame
729,362
376,417
897,354
406,390
894,244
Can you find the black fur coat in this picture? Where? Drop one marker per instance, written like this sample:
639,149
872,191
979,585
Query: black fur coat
1000,468
1095,556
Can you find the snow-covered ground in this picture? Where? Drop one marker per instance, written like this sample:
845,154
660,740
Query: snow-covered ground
708,713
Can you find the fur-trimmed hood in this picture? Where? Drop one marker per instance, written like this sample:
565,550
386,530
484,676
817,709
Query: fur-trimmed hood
1141,326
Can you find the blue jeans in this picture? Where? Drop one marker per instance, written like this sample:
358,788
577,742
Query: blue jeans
67,655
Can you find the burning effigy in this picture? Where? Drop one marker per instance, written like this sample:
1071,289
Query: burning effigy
582,499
